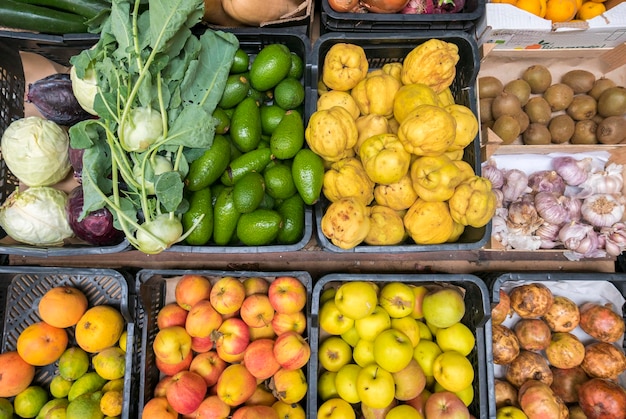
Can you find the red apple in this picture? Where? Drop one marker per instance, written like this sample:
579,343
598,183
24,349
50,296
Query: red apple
208,365
204,344
287,294
284,322
419,291
190,289
159,389
227,294
171,315
259,359
172,344
445,405
235,385
290,386
232,337
186,392
255,412
212,408
257,311
230,358
420,401
171,369
158,408
202,319
291,350
262,332
255,285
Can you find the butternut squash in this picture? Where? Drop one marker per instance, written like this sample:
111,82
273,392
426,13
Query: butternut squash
255,12
214,13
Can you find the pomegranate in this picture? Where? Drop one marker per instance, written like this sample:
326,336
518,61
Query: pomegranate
528,366
537,400
506,394
505,344
531,300
566,381
502,310
533,334
563,315
565,350
603,360
602,399
601,322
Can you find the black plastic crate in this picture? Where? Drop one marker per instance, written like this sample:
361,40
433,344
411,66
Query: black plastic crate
477,311
497,281
465,20
21,288
58,48
154,289
383,48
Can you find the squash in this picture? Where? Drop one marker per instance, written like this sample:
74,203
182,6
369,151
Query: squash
255,12
214,13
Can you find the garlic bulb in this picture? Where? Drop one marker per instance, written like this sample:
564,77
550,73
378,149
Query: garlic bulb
574,172
608,181
551,207
546,181
515,184
581,240
491,172
523,217
602,210
614,238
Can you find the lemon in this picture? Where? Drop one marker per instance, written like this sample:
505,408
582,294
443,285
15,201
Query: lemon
57,406
73,363
88,383
110,363
29,402
289,93
111,403
60,387
114,385
86,406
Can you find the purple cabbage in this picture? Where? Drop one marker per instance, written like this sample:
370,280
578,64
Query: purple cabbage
97,226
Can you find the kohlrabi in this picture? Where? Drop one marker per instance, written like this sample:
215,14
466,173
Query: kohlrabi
157,87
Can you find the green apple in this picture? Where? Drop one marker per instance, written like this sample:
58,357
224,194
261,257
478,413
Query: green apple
334,353
510,412
410,381
345,382
326,385
332,321
393,350
466,395
371,325
404,411
356,299
351,336
407,325
327,294
397,299
425,354
443,307
453,371
375,386
419,291
336,408
457,337
363,352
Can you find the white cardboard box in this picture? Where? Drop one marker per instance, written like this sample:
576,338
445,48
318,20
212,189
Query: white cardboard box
509,27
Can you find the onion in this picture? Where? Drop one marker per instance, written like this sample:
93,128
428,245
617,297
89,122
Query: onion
344,6
384,6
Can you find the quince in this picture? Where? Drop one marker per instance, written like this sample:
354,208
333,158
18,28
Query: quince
347,178
386,227
428,131
346,222
344,66
432,63
331,133
429,222
384,158
375,94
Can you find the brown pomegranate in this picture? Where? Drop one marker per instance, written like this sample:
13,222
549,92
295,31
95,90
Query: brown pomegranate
603,360
506,394
565,350
505,344
563,315
502,310
538,401
533,334
566,381
528,366
531,300
601,322
602,399
576,412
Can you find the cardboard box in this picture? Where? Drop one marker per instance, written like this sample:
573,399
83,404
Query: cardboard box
509,27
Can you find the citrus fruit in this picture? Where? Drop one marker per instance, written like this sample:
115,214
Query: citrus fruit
29,402
560,10
86,406
590,9
60,387
73,363
100,327
111,403
123,340
41,344
89,383
110,363
536,7
114,385
57,406
62,306
6,409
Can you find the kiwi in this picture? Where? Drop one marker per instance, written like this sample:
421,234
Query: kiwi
612,102
581,81
537,134
582,107
519,88
484,106
559,96
489,86
507,128
538,110
523,120
561,128
585,132
505,104
538,77
599,86
612,130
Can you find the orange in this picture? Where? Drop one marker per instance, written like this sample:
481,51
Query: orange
62,306
536,7
590,9
41,344
560,10
100,327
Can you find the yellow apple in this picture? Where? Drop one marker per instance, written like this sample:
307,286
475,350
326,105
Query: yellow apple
356,299
289,410
375,386
443,307
336,408
425,332
397,299
408,325
327,294
334,353
345,382
419,291
404,411
466,395
351,336
371,325
363,352
510,412
290,386
457,337
326,388
332,321
453,371
425,354
393,350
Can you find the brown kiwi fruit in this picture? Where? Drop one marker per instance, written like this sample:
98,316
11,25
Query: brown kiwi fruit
561,128
581,81
538,77
507,128
489,86
612,130
599,86
612,102
585,132
523,120
538,110
559,96
519,88
537,134
505,104
484,106
582,107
